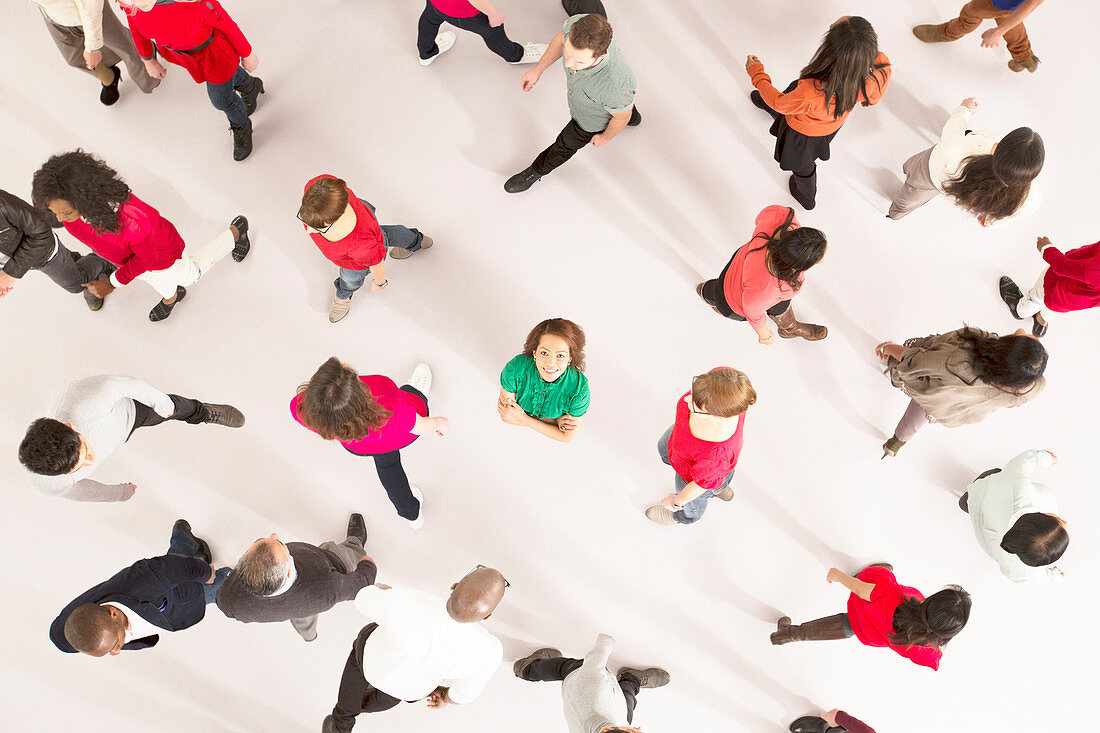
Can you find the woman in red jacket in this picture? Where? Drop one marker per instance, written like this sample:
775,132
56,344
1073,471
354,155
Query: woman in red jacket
344,228
1071,282
201,37
99,209
881,612
847,69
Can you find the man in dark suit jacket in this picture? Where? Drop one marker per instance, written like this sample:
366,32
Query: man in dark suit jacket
295,581
128,611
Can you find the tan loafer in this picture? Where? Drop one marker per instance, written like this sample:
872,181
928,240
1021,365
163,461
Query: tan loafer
660,515
338,309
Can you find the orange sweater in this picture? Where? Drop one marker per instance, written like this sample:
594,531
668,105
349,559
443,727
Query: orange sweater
805,108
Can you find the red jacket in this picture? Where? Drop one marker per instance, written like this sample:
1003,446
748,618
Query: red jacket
178,26
1072,282
363,247
145,240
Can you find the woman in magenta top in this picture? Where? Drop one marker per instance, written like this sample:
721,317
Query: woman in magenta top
882,612
703,444
371,416
762,276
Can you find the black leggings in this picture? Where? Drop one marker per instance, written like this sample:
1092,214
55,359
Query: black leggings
187,410
558,668
392,475
714,292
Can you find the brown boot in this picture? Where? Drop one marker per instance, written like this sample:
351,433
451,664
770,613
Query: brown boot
1018,65
822,629
790,327
930,33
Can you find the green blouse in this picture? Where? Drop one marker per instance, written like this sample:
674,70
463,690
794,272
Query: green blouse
566,395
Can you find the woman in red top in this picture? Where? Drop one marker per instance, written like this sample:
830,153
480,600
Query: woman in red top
882,612
98,208
847,69
703,444
344,228
1071,282
201,37
760,281
370,416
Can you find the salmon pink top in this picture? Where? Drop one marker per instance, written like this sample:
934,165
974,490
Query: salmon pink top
363,247
749,288
705,462
873,621
396,433
1072,282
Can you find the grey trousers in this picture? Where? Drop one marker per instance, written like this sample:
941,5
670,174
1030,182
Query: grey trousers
118,45
350,552
70,270
918,189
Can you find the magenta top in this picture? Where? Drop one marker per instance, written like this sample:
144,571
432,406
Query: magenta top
396,433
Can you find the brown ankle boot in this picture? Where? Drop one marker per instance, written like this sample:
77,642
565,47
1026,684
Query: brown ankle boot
822,629
790,327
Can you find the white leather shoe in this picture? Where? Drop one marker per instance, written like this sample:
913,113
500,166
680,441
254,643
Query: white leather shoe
443,41
532,52
421,378
419,521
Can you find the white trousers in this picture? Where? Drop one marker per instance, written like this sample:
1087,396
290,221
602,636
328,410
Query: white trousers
1033,301
190,267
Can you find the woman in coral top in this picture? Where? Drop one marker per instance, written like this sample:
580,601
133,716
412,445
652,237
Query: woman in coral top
371,416
846,69
201,37
759,281
1071,282
703,444
881,612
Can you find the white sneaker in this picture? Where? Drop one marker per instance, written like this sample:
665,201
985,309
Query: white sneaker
419,521
532,52
444,41
422,378
338,309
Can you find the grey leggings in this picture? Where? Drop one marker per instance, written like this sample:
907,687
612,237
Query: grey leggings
913,420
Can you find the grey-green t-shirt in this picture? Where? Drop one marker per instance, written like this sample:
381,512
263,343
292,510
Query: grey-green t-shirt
597,93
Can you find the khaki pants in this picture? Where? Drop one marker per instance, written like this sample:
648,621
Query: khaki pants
918,189
976,11
118,45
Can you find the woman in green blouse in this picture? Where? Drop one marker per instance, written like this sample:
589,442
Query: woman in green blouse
544,388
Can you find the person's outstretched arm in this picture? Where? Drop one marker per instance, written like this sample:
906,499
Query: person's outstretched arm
993,36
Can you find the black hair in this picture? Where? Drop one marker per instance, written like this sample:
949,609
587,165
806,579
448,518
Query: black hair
90,185
843,63
1037,539
932,622
50,448
1011,362
995,185
793,250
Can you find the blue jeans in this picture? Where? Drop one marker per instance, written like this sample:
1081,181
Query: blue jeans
393,235
225,97
694,509
183,543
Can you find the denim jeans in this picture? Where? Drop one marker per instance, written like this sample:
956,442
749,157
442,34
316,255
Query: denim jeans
225,97
393,235
694,509
183,543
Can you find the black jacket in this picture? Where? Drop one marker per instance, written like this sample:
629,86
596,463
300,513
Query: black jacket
166,591
25,235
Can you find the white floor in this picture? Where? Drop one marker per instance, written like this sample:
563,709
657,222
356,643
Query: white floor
616,240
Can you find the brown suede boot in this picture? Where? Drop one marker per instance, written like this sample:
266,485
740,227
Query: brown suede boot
790,327
1030,64
930,33
822,629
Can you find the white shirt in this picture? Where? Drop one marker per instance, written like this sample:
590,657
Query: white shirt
88,14
418,647
139,627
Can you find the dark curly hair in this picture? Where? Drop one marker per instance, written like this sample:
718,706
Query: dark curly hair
932,622
792,250
50,448
337,405
1011,362
90,185
996,185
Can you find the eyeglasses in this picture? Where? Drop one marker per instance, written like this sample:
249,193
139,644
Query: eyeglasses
691,405
298,216
506,583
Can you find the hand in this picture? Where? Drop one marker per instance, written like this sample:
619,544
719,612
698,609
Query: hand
382,586
835,576
1042,243
250,62
1053,458
99,288
513,414
495,18
154,69
92,59
669,502
992,38
438,699
972,103
7,283
751,60
213,572
442,425
600,139
567,423
378,287
767,338
830,717
880,350
530,79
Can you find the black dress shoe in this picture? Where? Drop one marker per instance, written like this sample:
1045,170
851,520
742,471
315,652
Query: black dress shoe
1011,295
1038,330
203,553
250,93
809,724
357,528
109,94
522,181
242,245
162,310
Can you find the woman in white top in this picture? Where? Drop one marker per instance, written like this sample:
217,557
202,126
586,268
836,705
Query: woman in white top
988,176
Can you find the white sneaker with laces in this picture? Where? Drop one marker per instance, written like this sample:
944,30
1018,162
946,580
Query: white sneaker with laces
419,521
532,52
421,378
443,41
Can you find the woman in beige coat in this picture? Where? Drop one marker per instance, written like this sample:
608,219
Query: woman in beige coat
959,378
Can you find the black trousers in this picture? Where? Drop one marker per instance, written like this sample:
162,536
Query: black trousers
714,292
356,695
188,410
965,498
578,7
558,668
495,38
572,138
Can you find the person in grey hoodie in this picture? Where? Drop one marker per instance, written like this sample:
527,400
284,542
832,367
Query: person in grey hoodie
594,701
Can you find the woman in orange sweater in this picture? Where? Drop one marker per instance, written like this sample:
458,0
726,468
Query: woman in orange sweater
847,68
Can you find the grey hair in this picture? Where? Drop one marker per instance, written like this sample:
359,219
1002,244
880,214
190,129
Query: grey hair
260,572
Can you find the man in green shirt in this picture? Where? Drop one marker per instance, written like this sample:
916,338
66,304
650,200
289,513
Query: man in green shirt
600,89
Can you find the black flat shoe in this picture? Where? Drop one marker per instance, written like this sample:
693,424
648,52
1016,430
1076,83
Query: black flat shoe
809,724
1038,330
242,245
522,181
1011,295
109,94
162,310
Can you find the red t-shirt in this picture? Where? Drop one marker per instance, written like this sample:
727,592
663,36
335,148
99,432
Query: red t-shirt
703,461
873,621
363,247
455,8
1072,282
395,433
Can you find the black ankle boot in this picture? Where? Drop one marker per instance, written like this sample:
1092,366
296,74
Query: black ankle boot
242,141
250,93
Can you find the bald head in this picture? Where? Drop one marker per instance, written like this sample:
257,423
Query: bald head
476,596
95,630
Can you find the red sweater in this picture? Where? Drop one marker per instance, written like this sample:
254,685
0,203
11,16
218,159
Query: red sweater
145,240
1072,282
363,247
177,26
705,462
873,620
